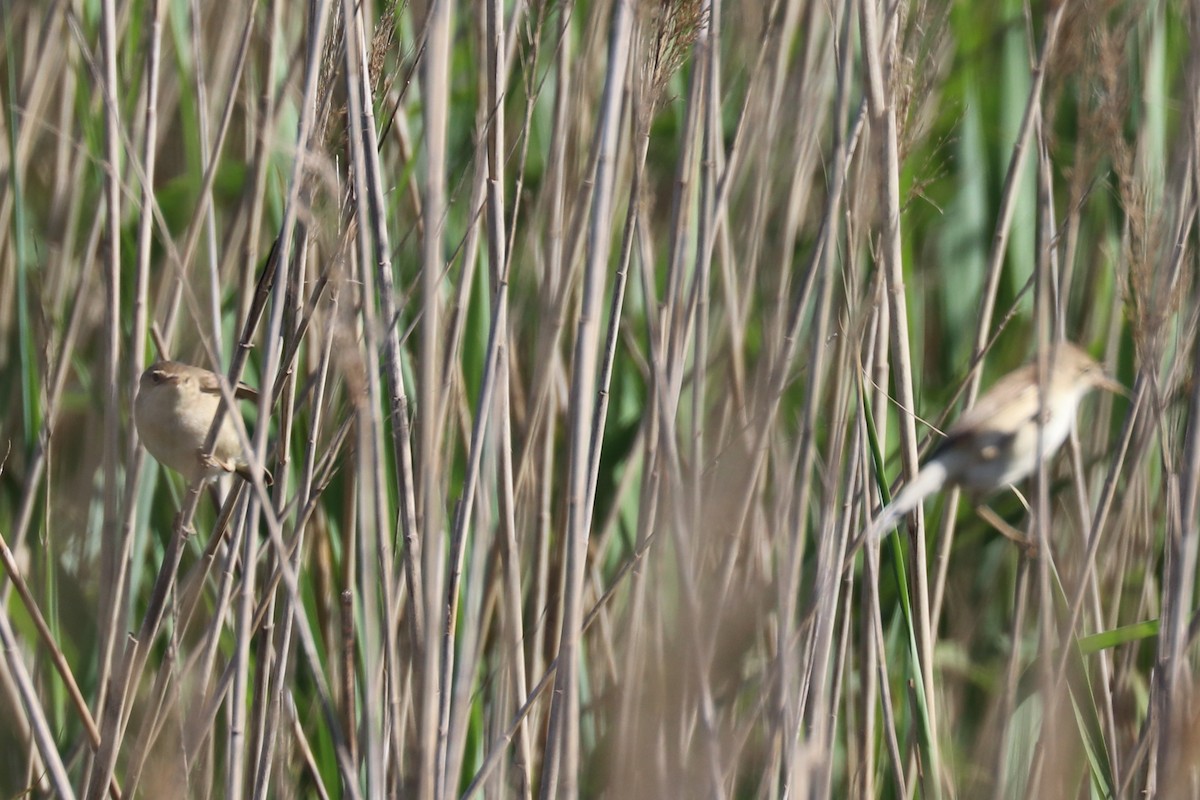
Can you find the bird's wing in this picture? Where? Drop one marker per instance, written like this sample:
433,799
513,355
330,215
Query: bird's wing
986,444
209,384
244,391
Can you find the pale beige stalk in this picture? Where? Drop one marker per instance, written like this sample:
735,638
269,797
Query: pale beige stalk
998,442
174,410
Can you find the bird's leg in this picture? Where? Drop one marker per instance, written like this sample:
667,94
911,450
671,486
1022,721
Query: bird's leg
209,462
1028,546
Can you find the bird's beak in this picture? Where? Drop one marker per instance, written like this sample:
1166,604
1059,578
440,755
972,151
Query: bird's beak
1116,387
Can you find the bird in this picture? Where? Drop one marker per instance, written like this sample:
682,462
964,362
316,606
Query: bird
997,442
173,412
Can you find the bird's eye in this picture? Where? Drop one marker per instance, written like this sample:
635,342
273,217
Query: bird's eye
156,376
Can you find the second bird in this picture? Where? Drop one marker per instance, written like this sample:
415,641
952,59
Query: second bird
998,441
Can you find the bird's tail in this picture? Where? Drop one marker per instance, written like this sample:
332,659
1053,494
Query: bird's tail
931,478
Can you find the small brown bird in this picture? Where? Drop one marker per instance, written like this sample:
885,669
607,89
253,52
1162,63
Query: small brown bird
174,411
995,443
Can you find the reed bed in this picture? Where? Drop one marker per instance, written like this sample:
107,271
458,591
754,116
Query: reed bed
589,336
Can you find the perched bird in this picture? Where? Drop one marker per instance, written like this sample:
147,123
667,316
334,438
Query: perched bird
174,411
996,443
